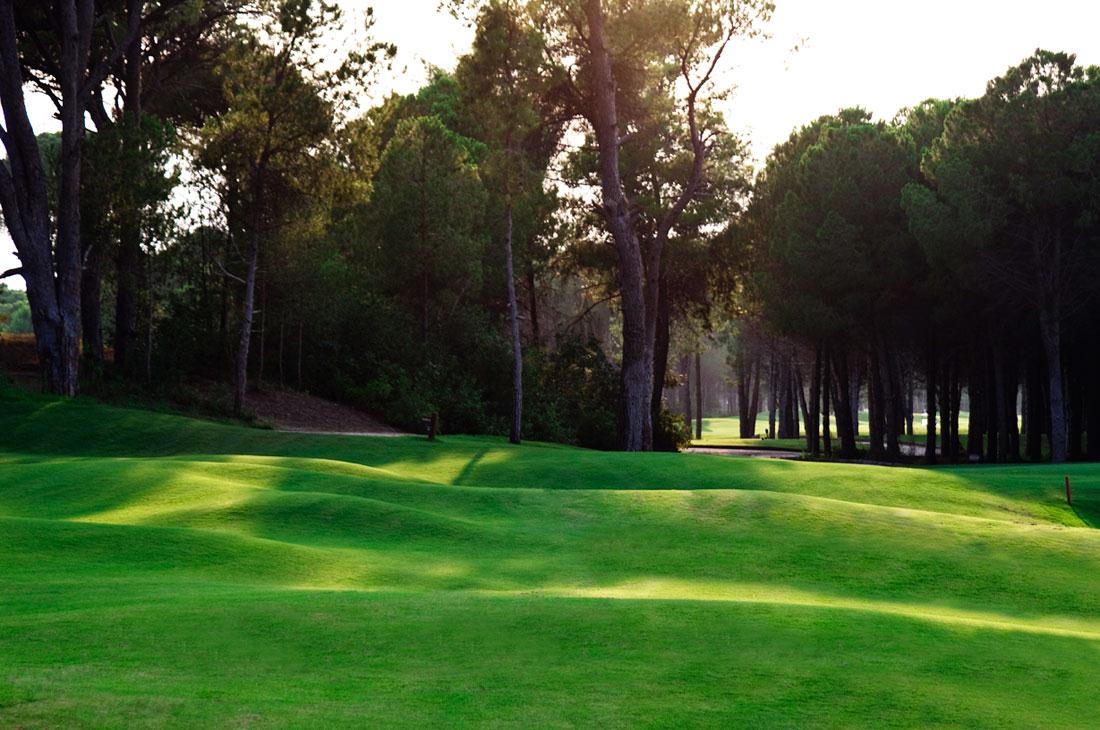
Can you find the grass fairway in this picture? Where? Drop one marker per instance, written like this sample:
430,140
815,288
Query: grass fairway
726,431
156,570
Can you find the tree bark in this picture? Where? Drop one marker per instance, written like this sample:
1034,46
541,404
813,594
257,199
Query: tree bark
1052,345
533,304
636,373
773,394
844,425
698,395
876,406
660,356
826,390
891,393
857,380
931,369
754,409
90,310
812,422
516,431
246,324
685,368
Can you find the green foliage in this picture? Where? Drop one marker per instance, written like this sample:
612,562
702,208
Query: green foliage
429,205
15,312
670,432
836,254
571,395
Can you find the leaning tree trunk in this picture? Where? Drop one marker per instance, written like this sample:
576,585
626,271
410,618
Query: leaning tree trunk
517,348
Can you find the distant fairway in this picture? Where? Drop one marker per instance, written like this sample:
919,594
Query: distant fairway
726,431
164,571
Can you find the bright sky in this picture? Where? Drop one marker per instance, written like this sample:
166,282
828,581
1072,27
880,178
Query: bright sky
879,54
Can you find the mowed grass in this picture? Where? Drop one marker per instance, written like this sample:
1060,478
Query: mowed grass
158,571
726,431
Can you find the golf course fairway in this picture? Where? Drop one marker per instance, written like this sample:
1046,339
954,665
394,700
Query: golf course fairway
163,571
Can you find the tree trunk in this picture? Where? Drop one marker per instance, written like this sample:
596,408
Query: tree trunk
909,398
636,373
660,357
812,421
90,309
246,324
1092,410
975,443
826,388
282,333
685,368
263,336
931,369
533,304
744,394
857,379
1011,396
875,406
773,395
844,425
516,431
891,403
51,268
1050,330
754,408
698,396
953,392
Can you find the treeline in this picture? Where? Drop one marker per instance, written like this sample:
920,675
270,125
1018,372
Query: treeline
235,214
957,247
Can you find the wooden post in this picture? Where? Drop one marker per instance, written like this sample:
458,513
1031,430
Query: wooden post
433,426
1069,495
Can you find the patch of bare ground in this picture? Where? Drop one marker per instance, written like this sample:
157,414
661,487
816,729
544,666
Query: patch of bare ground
289,410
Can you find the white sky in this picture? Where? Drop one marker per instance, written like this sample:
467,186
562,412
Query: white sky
879,54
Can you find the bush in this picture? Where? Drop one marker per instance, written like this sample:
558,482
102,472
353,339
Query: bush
670,433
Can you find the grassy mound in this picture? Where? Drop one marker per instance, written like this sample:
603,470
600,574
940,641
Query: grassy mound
163,571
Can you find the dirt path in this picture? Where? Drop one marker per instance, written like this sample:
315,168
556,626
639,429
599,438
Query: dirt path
745,453
289,410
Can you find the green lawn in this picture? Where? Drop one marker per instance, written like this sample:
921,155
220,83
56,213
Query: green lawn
726,431
159,571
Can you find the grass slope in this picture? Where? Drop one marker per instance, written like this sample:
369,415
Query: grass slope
164,571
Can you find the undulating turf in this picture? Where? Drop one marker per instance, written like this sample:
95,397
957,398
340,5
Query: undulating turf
156,570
